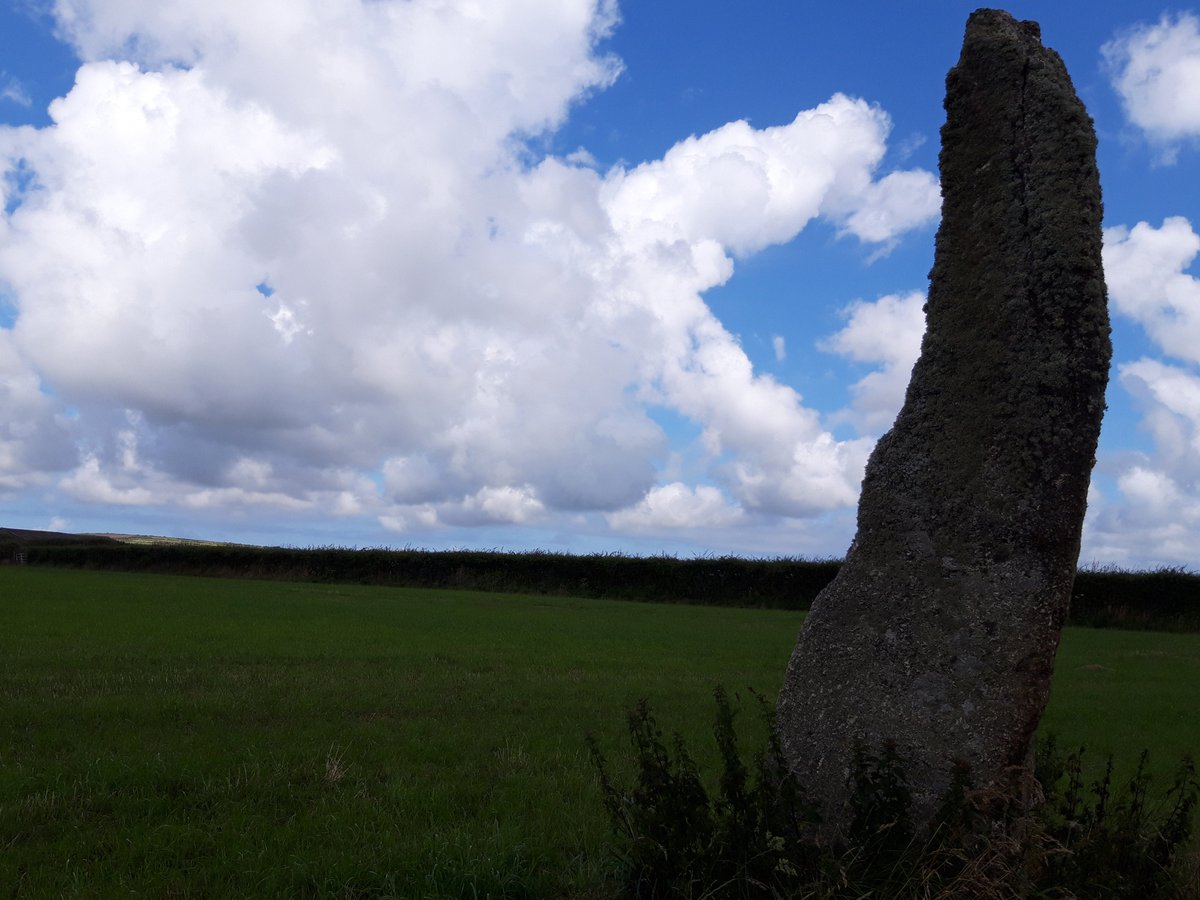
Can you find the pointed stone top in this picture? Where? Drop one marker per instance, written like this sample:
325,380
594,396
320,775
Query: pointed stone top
998,22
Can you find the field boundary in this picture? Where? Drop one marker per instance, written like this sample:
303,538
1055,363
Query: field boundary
1165,599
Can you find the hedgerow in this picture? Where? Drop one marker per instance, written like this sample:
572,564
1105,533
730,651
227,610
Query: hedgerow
1166,599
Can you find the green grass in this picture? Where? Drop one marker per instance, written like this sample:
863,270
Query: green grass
182,737
1125,691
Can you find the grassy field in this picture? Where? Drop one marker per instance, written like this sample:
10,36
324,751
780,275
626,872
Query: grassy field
181,737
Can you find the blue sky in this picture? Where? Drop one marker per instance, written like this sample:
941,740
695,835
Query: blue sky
578,276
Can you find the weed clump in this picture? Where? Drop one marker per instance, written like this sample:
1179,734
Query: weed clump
757,836
1114,843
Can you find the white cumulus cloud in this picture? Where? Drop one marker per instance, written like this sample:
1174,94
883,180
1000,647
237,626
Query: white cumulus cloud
894,204
1156,71
1159,518
886,333
1145,268
746,188
676,505
301,255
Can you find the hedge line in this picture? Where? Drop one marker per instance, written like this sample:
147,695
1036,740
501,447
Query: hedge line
724,581
1113,598
1103,597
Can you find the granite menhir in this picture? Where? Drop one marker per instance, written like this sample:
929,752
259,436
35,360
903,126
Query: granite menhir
939,632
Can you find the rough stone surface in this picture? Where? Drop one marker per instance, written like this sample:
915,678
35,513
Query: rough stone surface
940,631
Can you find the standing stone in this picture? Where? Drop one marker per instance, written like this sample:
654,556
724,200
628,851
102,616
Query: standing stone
940,630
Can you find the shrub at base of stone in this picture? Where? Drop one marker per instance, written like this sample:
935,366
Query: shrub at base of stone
756,836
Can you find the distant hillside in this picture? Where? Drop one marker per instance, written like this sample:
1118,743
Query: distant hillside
31,537
27,536
154,540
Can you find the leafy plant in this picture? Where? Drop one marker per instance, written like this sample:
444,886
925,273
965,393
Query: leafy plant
1115,845
750,839
757,836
